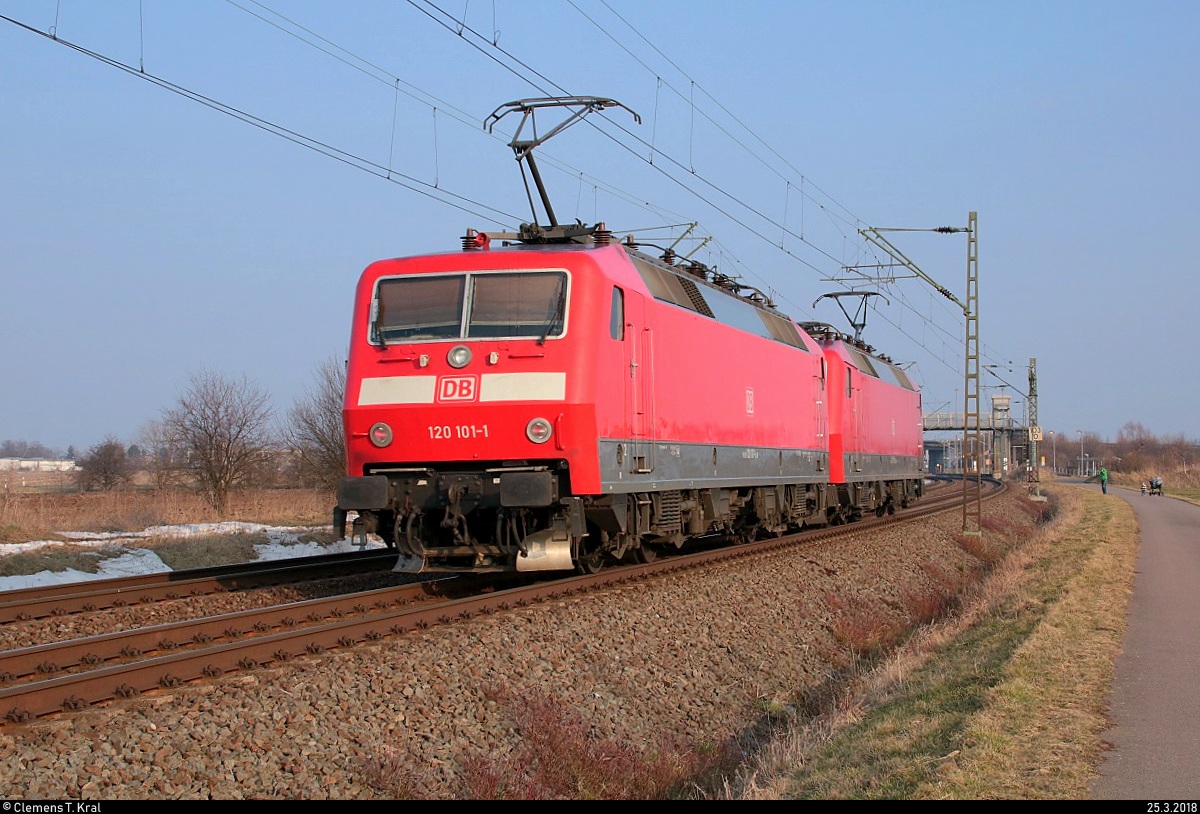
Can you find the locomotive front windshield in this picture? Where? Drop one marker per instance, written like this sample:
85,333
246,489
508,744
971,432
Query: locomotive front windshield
488,305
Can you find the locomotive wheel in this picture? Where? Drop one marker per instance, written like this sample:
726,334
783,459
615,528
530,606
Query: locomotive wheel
591,563
644,554
879,510
589,559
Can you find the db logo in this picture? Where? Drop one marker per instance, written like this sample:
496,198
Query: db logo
457,388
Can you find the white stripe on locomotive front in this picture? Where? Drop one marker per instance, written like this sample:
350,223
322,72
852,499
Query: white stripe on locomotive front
549,386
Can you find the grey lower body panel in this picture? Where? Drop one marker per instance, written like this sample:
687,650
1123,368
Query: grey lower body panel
643,466
882,467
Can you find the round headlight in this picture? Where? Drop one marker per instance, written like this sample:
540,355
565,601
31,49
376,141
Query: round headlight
459,356
538,430
380,434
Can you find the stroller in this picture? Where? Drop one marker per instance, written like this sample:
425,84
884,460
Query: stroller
1156,487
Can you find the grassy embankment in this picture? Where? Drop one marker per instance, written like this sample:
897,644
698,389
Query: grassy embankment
1005,699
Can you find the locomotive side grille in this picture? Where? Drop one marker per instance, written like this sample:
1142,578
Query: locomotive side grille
697,299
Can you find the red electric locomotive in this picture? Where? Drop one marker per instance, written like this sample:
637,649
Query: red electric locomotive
876,431
561,400
548,406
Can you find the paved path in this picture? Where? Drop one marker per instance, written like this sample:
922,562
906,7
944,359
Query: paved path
1155,700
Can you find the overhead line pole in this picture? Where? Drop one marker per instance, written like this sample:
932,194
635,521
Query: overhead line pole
1032,428
972,441
1035,429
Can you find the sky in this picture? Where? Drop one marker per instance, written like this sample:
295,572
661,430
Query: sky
196,186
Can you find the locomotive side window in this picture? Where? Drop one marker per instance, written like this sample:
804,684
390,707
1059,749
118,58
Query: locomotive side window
901,378
495,305
783,330
863,362
682,290
616,317
741,315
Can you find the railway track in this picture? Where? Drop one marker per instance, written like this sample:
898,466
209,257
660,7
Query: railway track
77,597
47,679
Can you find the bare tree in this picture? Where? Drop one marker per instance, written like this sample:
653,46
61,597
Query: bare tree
105,466
221,425
314,430
162,459
26,449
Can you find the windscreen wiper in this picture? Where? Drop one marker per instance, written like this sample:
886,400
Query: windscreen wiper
560,308
376,330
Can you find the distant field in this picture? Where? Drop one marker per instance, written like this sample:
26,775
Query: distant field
15,481
38,514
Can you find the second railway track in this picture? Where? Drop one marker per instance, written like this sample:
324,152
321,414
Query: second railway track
58,600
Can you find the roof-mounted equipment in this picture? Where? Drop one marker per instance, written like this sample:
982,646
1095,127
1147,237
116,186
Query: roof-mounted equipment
579,107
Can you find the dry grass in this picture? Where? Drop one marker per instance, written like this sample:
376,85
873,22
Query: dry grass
1038,735
44,515
860,626
977,545
40,516
561,758
1002,700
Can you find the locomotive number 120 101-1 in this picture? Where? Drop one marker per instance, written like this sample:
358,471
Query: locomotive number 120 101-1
445,432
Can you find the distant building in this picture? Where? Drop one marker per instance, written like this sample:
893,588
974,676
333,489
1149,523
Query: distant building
36,465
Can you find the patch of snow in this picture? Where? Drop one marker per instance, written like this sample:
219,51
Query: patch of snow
283,545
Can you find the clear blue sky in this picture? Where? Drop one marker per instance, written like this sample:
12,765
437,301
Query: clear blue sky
145,235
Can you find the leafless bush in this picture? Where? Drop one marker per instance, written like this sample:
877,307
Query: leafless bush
1039,511
105,466
388,770
563,759
927,605
1005,527
860,627
222,426
314,429
947,580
